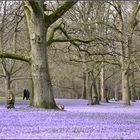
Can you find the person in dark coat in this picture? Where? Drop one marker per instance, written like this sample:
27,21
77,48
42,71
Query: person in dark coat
24,94
27,94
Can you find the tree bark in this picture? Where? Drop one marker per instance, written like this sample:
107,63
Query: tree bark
99,88
132,88
43,94
7,86
90,98
138,96
84,94
126,52
7,82
125,90
116,97
95,93
102,88
124,60
125,74
38,24
32,93
10,99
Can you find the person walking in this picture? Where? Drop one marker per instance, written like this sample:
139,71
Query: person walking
24,94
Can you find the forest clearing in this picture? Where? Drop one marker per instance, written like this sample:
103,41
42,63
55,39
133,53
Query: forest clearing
69,69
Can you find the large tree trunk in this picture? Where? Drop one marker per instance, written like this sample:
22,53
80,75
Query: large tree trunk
38,23
43,93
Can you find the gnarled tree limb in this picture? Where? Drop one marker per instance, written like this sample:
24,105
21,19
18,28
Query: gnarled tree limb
21,57
59,12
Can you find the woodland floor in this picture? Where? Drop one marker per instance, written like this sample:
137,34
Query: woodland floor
78,121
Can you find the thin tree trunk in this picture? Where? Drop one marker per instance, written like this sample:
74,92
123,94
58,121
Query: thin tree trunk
88,90
138,96
99,88
102,88
7,86
32,93
7,82
95,93
90,99
132,88
84,94
116,97
125,75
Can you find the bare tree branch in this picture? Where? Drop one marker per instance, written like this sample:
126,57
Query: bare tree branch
20,57
60,11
